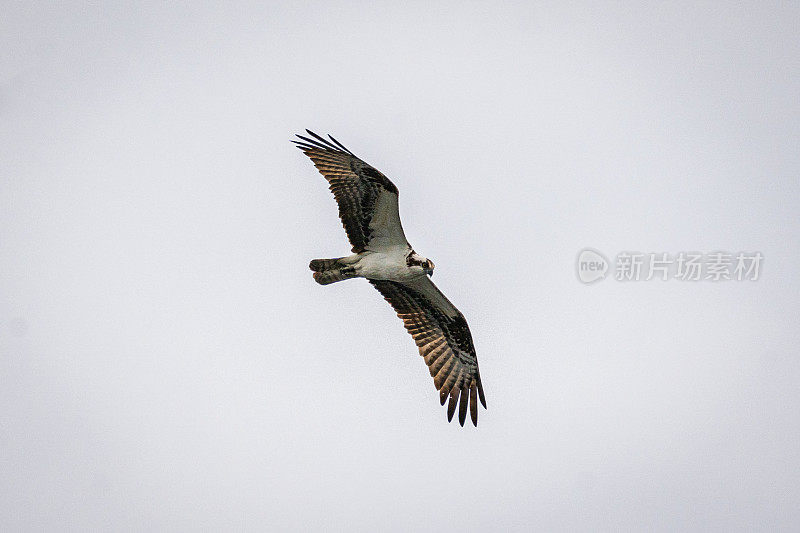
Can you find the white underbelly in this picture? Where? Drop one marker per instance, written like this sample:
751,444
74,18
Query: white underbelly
385,266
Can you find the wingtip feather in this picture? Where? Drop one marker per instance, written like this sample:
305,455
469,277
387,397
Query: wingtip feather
340,145
451,407
462,408
473,405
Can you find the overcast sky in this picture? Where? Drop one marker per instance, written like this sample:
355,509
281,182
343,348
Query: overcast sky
168,363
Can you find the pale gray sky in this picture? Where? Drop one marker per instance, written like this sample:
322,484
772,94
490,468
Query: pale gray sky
168,362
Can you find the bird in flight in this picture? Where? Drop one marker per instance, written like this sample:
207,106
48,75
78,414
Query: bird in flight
380,253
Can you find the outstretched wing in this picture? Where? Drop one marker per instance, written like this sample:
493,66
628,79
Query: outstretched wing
443,339
367,199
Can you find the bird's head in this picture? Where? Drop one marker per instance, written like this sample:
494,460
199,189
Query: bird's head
425,265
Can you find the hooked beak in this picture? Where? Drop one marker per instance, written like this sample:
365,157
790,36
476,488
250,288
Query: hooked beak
429,271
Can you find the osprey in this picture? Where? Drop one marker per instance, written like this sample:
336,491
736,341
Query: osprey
368,209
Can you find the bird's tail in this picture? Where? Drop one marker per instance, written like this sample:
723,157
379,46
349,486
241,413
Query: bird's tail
328,271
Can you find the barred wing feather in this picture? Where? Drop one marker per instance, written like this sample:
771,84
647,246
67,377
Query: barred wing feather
443,339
